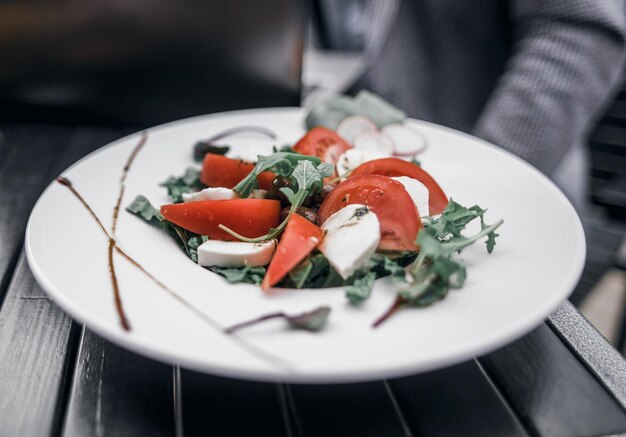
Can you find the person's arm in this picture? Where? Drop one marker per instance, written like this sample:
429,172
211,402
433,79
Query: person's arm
567,58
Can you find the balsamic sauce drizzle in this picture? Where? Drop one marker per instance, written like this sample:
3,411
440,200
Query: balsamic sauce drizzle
116,288
119,307
112,245
129,163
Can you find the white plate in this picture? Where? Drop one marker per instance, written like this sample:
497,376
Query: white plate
536,264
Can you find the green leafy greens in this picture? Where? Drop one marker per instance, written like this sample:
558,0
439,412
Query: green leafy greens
281,163
247,274
187,183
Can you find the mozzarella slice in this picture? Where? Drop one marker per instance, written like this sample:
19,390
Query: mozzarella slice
250,151
352,158
417,191
210,194
351,237
258,194
235,253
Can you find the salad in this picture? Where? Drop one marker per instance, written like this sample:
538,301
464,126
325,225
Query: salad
346,204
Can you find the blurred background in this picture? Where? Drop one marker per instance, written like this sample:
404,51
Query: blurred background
143,62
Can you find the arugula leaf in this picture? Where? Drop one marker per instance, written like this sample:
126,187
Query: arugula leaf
436,270
141,207
315,272
248,274
361,287
454,219
308,178
187,183
361,283
192,246
300,274
281,163
395,269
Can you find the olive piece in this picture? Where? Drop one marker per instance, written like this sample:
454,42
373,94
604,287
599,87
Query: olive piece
275,193
318,197
307,213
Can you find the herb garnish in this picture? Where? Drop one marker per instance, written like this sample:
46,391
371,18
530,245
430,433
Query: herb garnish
436,270
309,321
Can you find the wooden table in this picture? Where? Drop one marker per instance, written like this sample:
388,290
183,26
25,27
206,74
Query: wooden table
58,378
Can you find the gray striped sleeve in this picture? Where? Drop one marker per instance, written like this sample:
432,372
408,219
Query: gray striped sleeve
567,58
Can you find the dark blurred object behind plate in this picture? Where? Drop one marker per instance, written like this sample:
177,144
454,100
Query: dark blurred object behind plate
147,61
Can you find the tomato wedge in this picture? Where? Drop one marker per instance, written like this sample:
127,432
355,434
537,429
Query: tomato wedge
220,171
323,143
299,239
437,199
396,212
248,217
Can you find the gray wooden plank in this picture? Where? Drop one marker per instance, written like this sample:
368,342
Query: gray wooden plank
34,358
23,174
364,409
118,393
34,334
459,400
227,407
551,390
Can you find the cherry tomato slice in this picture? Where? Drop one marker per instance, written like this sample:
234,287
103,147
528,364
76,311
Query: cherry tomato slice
396,212
298,240
249,217
220,171
323,143
437,199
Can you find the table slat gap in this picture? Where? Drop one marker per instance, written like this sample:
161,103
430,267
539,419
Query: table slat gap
506,402
179,426
398,409
9,274
289,413
362,409
116,392
67,378
457,400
